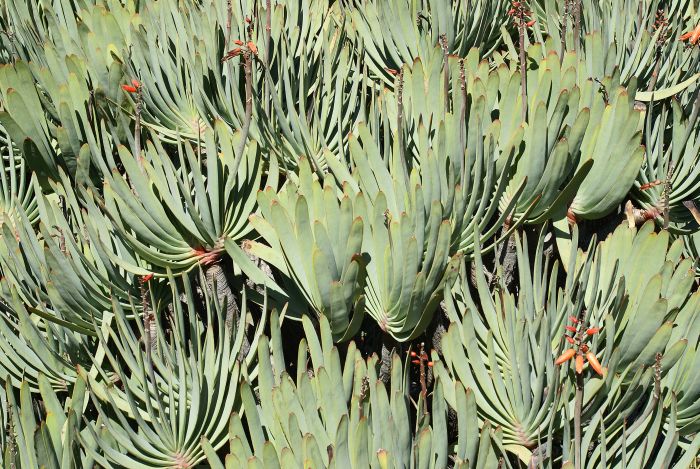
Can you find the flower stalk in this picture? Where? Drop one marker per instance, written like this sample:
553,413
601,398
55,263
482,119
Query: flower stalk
399,126
578,352
446,71
135,88
521,16
660,25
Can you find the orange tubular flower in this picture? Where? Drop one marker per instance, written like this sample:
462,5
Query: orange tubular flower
252,47
570,339
146,278
133,87
565,357
232,53
691,36
573,319
238,42
570,328
595,364
579,363
593,330
649,185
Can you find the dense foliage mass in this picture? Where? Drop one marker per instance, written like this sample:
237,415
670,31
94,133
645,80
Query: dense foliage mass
349,233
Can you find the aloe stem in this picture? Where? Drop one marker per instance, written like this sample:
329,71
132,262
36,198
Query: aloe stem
149,334
389,347
219,285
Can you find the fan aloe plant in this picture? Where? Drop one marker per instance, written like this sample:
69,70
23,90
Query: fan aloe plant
316,239
297,423
667,185
355,233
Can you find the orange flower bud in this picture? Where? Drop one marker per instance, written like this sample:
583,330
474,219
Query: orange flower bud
593,330
692,36
391,71
573,319
530,23
232,53
129,88
595,364
415,362
570,328
135,83
413,354
238,42
565,357
579,363
649,185
569,339
430,363
252,47
146,278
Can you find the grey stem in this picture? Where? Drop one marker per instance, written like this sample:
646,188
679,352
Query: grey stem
577,24
389,347
218,284
564,24
150,337
507,257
